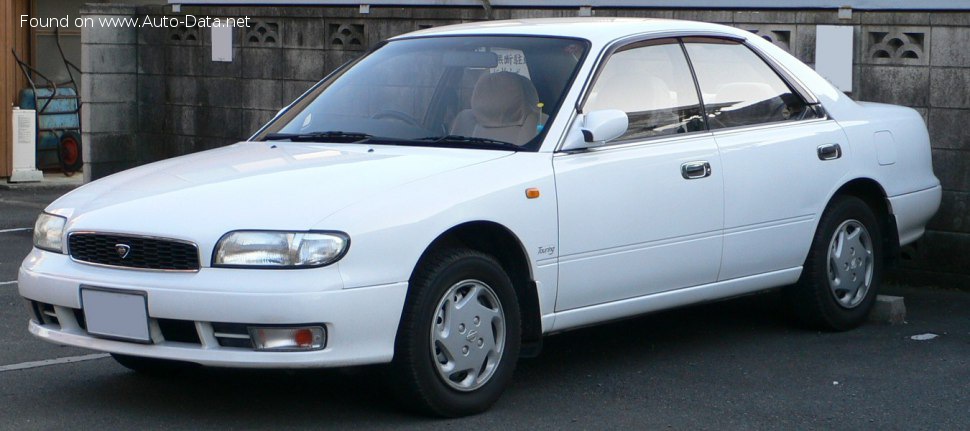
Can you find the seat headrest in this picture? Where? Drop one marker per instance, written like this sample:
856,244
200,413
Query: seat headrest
503,99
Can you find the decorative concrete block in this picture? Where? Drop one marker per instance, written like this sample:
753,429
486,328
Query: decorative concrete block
263,33
347,34
896,45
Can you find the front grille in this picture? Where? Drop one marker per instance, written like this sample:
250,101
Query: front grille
143,253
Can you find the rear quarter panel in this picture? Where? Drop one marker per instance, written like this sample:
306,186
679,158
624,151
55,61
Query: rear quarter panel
891,145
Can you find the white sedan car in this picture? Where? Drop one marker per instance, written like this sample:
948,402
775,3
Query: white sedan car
449,198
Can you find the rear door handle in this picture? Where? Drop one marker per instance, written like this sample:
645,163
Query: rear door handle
829,151
695,170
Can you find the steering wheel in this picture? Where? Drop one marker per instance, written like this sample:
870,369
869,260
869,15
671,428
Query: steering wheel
397,115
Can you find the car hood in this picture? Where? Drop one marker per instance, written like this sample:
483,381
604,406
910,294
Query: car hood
252,185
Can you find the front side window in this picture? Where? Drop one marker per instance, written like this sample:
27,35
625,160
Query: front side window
652,83
470,92
739,88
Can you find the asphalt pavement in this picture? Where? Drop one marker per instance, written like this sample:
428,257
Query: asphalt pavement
737,364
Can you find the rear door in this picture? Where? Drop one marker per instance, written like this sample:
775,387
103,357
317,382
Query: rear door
633,221
781,157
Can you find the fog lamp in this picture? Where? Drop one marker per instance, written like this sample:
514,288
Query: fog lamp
292,338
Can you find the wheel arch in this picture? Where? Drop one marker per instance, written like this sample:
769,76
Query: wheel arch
874,195
500,242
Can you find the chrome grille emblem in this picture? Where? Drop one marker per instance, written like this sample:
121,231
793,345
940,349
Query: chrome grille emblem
123,250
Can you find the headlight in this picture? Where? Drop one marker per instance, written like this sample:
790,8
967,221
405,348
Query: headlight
49,232
273,249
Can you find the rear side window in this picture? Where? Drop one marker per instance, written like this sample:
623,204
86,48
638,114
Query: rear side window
739,88
652,83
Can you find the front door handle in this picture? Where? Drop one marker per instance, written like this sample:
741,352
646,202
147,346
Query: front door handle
695,170
829,151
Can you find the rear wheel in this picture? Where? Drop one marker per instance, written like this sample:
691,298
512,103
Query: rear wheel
459,338
843,269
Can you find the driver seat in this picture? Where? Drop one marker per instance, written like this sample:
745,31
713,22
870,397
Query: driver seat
504,107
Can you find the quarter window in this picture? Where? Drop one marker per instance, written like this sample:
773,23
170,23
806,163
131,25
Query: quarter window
739,88
652,83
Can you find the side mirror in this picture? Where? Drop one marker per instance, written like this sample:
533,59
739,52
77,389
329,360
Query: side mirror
595,128
604,125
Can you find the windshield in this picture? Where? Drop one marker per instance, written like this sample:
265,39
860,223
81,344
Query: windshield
468,92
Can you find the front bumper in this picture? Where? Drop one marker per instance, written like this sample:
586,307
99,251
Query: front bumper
361,322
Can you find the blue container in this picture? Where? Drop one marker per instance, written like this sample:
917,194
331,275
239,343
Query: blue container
58,114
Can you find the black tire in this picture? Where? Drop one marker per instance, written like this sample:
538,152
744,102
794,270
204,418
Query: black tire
153,366
69,153
420,385
814,302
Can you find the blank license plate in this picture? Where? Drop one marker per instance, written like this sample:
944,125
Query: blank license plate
113,314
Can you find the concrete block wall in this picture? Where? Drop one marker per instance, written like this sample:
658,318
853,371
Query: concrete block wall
108,92
182,102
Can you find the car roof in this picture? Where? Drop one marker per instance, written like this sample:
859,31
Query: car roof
599,30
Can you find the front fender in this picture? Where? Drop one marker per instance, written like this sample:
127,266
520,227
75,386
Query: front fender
391,230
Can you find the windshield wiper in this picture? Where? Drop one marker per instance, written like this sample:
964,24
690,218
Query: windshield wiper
464,141
330,136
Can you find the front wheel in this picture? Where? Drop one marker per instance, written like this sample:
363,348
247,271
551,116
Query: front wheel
843,269
459,338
